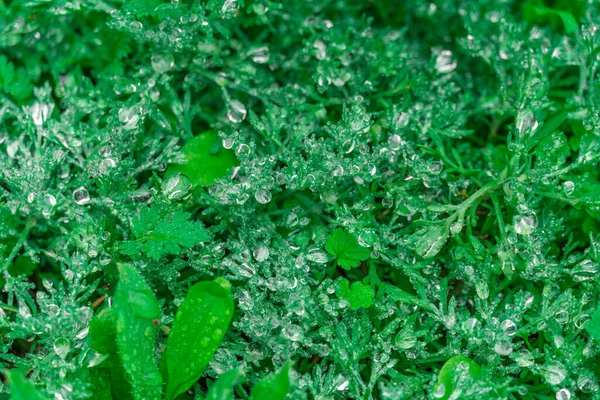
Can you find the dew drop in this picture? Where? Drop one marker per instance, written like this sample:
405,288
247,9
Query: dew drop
263,196
81,196
293,333
260,55
524,358
176,186
554,372
135,27
237,112
563,394
503,348
568,188
526,122
509,327
261,253
525,224
445,63
162,63
317,256
61,347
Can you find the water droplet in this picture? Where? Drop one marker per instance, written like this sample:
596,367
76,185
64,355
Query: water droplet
135,27
445,63
259,55
261,253
525,224
343,385
503,348
317,255
562,317
568,188
176,186
40,112
526,122
524,358
293,333
107,165
395,142
320,50
130,117
237,112
229,7
61,347
439,391
554,372
246,270
162,63
105,151
81,196
482,290
263,196
509,327
228,143
456,227
563,394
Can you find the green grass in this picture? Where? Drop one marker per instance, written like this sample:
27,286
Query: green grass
252,199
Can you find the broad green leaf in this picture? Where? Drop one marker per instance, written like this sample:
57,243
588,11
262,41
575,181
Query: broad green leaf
100,384
593,327
358,295
199,327
207,159
450,372
222,389
102,332
159,234
346,249
137,315
20,387
104,340
274,387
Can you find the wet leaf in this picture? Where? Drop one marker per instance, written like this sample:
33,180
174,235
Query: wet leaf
207,159
358,295
137,315
346,249
451,371
20,387
274,387
222,389
199,327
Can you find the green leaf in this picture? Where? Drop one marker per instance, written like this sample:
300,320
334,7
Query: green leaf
593,327
20,387
346,249
199,327
102,332
274,387
222,389
207,160
539,14
450,372
137,315
358,295
158,235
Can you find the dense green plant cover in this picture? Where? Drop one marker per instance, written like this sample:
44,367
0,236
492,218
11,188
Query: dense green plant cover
324,199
